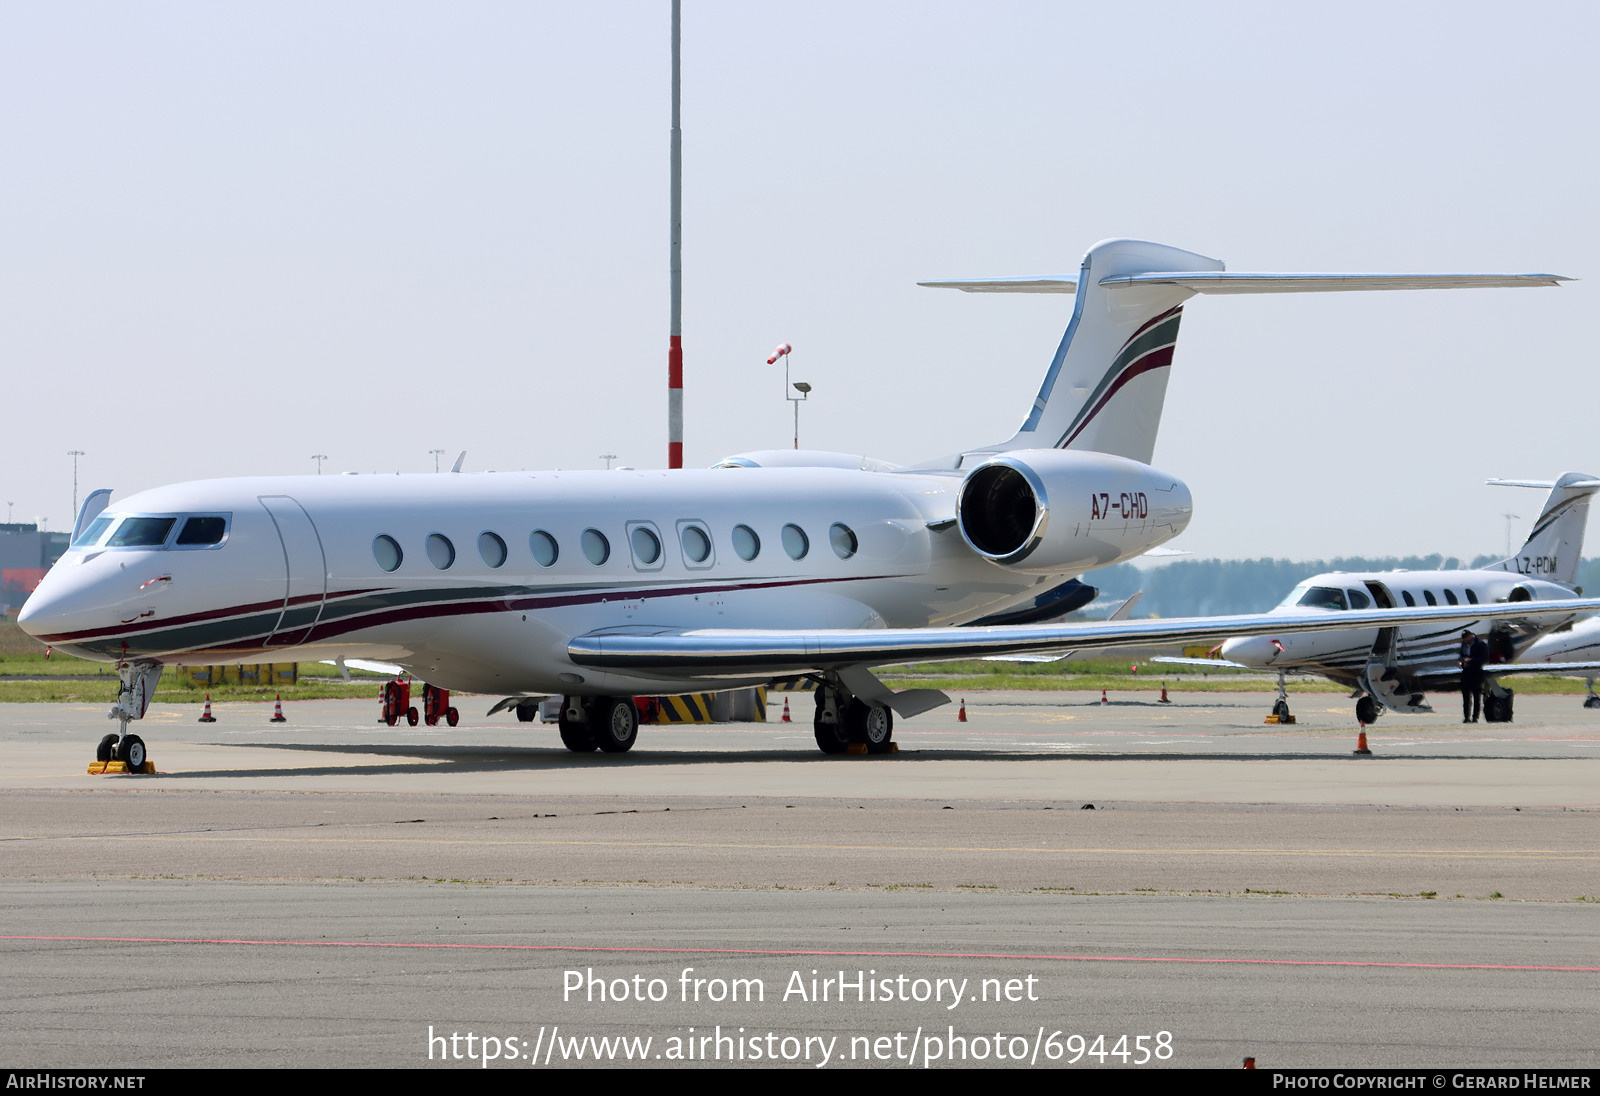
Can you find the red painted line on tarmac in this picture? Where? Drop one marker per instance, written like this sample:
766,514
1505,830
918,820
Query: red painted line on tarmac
796,951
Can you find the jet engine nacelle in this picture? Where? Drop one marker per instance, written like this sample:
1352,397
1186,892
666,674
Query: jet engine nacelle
1049,511
1538,589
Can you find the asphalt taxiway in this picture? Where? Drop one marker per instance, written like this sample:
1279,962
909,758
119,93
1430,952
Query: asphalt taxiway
327,891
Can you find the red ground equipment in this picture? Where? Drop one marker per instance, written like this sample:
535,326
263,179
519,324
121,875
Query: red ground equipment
397,702
436,703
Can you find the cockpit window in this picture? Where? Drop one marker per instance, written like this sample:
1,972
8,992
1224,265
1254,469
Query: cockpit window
202,532
1323,597
141,533
92,535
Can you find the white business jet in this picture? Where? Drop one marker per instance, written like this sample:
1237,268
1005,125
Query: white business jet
596,586
1394,668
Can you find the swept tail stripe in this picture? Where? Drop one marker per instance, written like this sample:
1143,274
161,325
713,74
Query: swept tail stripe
1156,359
1160,333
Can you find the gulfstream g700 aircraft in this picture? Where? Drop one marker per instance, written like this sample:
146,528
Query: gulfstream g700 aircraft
599,585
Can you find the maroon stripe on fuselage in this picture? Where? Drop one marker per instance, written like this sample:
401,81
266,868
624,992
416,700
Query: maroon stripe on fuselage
326,629
197,618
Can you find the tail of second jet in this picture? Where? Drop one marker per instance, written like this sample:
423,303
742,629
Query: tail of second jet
1556,541
1107,383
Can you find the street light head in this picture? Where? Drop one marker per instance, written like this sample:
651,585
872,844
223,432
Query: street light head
802,387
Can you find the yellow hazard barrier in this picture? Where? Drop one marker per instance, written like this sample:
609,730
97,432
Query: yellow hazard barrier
734,706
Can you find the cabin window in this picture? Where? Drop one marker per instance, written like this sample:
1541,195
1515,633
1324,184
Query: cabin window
202,532
646,546
93,533
441,553
1472,597
843,540
1323,597
492,549
1427,595
544,548
386,550
141,533
1358,600
795,542
1409,600
746,543
696,544
1450,596
596,548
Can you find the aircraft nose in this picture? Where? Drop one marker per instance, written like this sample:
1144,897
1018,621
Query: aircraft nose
69,598
1256,651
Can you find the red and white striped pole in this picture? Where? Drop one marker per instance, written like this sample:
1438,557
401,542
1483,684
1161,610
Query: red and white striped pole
675,267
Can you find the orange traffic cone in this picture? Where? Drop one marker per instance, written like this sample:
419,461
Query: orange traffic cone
206,716
961,716
785,718
1164,699
1103,699
277,710
1361,743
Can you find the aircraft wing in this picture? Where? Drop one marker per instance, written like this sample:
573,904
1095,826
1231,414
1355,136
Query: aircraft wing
1501,669
739,654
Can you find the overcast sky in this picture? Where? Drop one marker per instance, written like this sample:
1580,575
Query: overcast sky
234,235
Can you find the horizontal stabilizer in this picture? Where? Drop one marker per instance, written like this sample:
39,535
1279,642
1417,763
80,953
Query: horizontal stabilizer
1546,484
1231,281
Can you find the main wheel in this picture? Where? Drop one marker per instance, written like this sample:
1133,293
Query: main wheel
614,723
872,724
131,751
831,738
1281,710
526,713
575,736
107,749
1367,711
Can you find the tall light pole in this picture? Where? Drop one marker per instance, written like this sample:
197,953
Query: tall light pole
1509,519
319,458
608,458
675,270
437,453
75,454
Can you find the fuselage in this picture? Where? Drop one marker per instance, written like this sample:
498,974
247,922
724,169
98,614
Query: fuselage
1431,649
477,581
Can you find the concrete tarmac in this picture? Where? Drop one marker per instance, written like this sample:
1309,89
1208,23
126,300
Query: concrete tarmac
326,892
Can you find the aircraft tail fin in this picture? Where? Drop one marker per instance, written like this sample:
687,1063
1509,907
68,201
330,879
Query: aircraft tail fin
1555,544
1107,383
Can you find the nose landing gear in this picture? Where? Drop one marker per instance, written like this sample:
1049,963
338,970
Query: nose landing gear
126,753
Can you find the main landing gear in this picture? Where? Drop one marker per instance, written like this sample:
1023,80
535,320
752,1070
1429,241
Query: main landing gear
842,720
136,685
607,723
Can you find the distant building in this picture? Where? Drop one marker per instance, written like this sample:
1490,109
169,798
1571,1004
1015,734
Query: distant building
26,553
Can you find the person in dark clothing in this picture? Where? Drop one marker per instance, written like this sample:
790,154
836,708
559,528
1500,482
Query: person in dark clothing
1474,653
